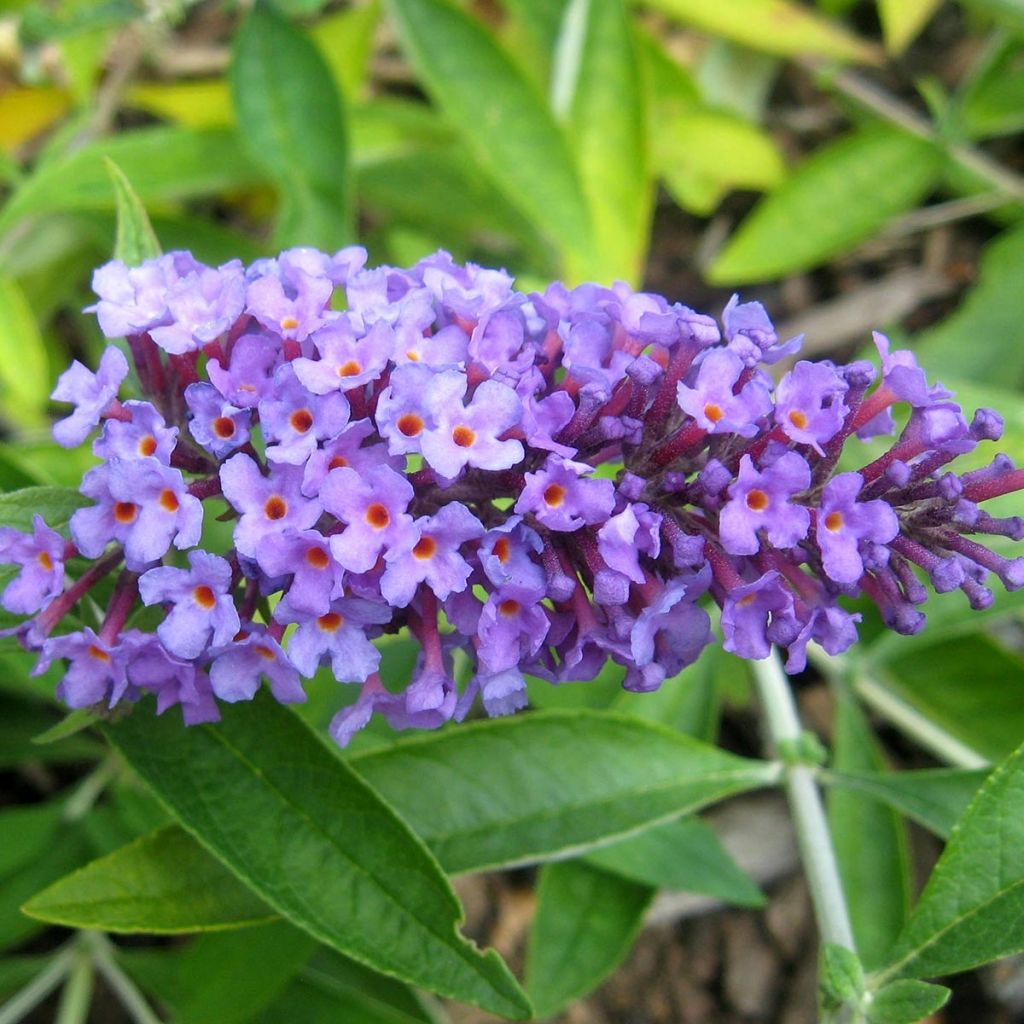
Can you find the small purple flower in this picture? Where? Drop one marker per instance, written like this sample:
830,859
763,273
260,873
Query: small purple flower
623,538
469,436
216,424
292,306
711,400
751,335
145,435
175,682
506,555
247,380
760,500
669,634
403,414
267,504
347,451
96,672
305,556
756,615
296,420
338,636
373,508
501,693
203,613
346,361
41,558
91,394
843,523
432,557
809,404
372,697
513,625
832,627
202,305
254,654
142,504
562,498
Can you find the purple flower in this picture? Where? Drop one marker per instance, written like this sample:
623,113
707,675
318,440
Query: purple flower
623,538
432,556
760,500
41,558
501,693
469,435
346,361
403,414
292,305
202,305
809,404
756,615
247,380
267,504
305,556
373,509
339,636
751,335
145,435
843,523
175,682
296,420
142,504
203,613
563,499
216,424
669,634
711,400
90,393
346,451
254,654
513,625
506,556
97,670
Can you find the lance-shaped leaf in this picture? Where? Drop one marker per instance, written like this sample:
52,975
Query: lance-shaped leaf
501,118
136,242
971,909
902,20
299,827
839,196
55,504
294,126
163,882
518,789
24,371
585,924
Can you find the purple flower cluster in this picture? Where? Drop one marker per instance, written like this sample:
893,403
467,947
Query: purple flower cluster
543,482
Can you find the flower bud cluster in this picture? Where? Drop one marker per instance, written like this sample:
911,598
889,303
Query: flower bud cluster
543,482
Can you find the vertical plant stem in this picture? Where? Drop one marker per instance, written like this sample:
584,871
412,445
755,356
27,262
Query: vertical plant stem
568,56
25,1001
123,987
77,995
812,832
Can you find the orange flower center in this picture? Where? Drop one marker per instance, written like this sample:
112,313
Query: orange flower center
204,597
554,495
349,369
757,501
425,548
301,420
834,522
410,424
147,445
318,558
276,507
98,653
502,549
378,516
264,652
289,323
463,436
125,512
713,411
224,427
798,419
44,559
338,462
169,500
330,623
508,608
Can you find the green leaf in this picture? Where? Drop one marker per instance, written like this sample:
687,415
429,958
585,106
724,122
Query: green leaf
933,797
222,977
774,26
294,126
55,504
345,41
842,976
27,832
24,369
72,723
19,722
161,883
842,194
993,104
136,241
163,163
979,341
1007,12
684,855
906,1002
297,825
971,908
585,924
514,790
501,119
902,20
870,841
332,989
607,134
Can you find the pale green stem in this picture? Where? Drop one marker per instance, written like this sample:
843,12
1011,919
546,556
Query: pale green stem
90,789
568,56
25,1001
122,986
813,837
77,995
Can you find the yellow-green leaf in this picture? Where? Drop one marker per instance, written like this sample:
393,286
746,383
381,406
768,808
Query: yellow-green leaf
902,20
136,241
345,41
203,103
775,26
24,372
24,113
